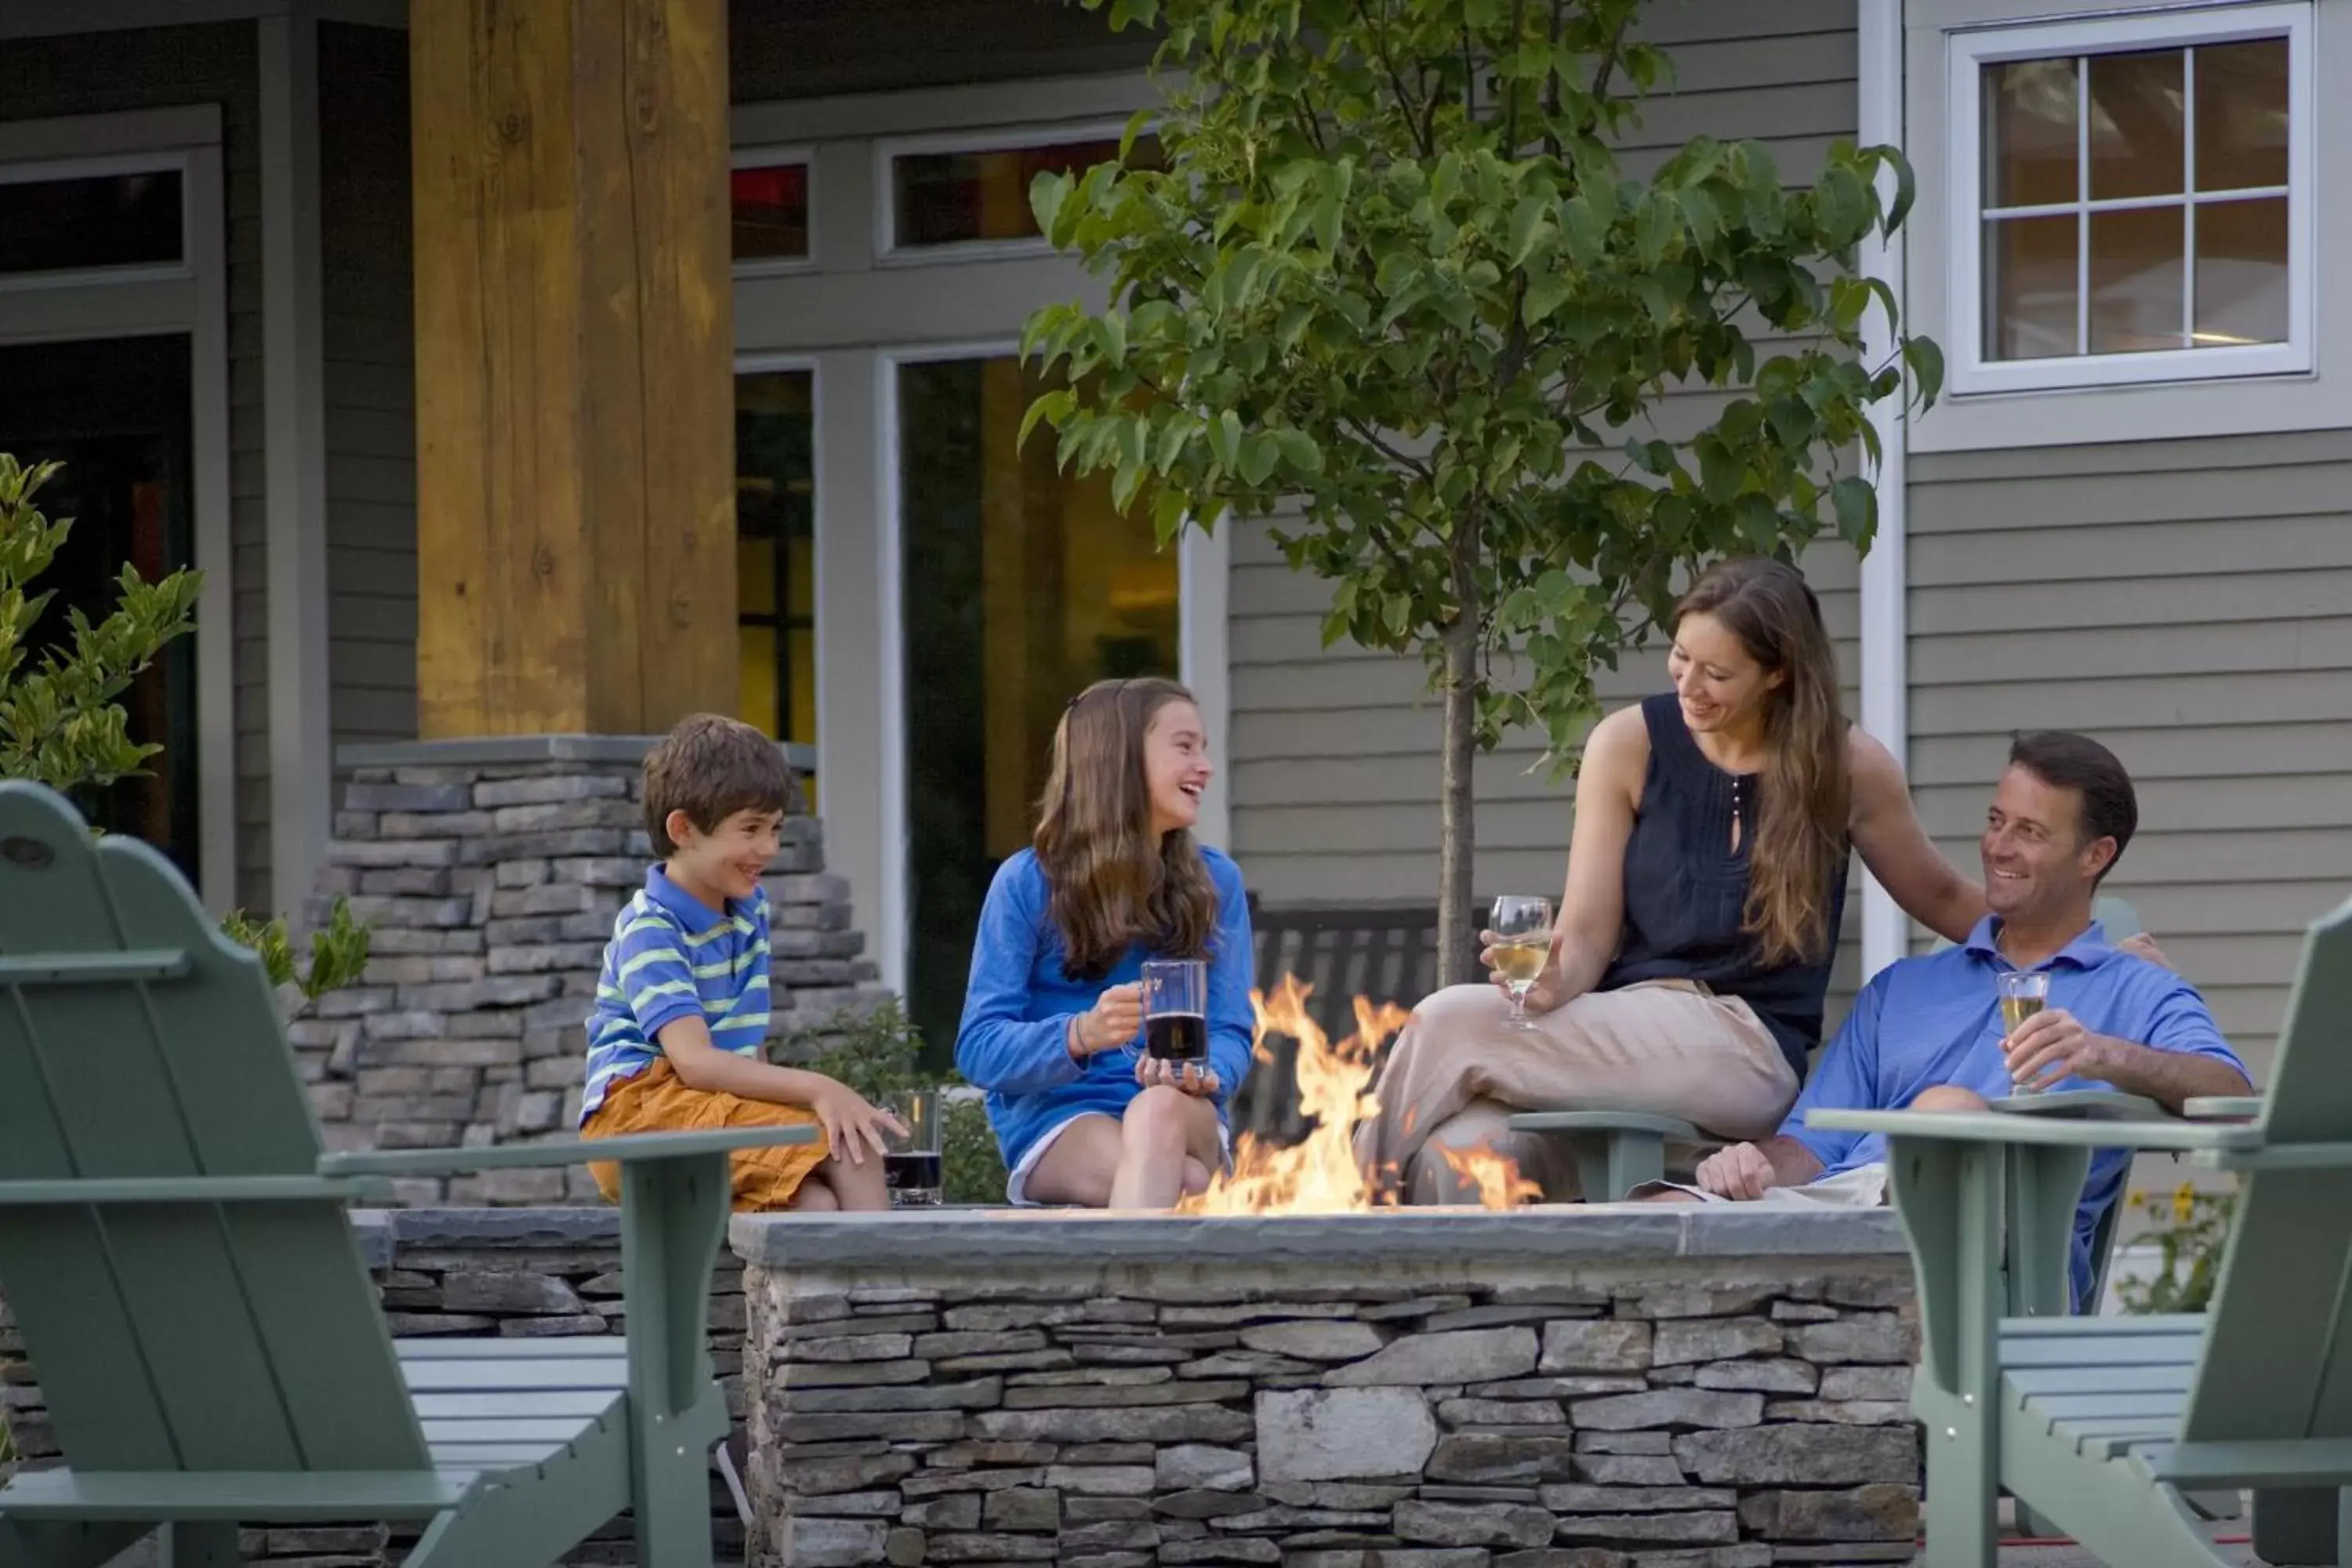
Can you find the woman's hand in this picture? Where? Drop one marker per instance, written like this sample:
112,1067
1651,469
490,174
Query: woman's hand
1547,992
853,1124
1195,1079
1111,1022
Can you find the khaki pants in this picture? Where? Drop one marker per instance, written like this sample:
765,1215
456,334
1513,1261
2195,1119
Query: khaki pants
1457,1074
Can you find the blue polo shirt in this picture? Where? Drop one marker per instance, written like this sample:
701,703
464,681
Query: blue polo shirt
671,956
1935,1020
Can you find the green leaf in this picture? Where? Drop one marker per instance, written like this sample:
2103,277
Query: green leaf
1299,450
1225,440
1857,509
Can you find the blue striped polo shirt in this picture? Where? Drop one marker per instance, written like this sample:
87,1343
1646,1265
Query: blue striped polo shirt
672,955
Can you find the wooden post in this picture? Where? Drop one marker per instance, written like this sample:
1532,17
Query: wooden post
574,365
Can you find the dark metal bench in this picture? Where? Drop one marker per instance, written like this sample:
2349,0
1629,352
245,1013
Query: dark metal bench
1384,953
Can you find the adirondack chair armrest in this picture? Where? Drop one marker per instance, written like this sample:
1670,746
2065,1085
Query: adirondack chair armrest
561,1152
2221,1106
2001,1127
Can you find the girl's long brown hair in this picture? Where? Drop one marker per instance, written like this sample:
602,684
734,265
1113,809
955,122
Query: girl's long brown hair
1111,885
1801,829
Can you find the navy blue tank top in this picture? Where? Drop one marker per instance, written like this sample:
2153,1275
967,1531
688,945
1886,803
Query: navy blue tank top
1686,889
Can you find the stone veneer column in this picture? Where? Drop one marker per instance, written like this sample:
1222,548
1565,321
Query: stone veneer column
490,871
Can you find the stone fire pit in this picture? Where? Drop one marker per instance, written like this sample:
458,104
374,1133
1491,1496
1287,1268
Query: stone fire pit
1600,1387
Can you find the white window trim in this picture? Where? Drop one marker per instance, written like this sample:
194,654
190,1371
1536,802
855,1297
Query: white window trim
1972,373
193,298
802,157
888,252
155,163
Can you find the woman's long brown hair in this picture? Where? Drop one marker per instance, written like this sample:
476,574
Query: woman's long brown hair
1111,885
1801,828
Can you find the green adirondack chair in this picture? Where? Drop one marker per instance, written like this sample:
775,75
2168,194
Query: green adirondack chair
2102,1423
177,1253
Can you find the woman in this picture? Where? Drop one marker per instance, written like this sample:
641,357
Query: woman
1706,874
1052,1016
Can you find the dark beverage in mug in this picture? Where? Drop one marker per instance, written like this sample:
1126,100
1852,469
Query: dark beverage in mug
914,1180
1177,1037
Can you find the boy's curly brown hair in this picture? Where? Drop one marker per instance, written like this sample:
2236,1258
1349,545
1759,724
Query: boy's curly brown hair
711,768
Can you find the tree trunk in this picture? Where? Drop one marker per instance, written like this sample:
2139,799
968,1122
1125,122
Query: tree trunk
1457,925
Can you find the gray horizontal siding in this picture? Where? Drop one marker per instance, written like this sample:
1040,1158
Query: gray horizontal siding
1333,775
786,51
371,416
159,68
2191,606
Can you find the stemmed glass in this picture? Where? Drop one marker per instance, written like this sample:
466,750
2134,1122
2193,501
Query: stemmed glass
1522,946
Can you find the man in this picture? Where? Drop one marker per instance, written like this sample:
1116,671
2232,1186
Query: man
1926,1034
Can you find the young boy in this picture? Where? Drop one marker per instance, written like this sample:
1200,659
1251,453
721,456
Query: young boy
674,1042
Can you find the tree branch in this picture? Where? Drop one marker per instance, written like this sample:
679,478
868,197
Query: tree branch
1379,32
1371,437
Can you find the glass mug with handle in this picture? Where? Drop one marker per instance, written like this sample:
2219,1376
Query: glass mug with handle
1522,946
2023,993
1176,1011
914,1167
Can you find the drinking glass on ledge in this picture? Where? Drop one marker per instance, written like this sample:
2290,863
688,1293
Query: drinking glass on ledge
914,1167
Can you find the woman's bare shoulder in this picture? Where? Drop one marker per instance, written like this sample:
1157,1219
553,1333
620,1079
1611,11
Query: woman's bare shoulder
1618,748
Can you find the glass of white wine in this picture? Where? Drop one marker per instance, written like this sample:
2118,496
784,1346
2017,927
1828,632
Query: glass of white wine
2023,993
1522,946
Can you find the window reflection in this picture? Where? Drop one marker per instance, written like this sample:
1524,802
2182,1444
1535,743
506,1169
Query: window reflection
1020,585
775,542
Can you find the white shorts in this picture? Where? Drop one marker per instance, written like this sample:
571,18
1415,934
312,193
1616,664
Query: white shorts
1863,1188
1016,1182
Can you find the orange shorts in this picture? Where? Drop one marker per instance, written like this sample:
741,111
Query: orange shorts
654,1101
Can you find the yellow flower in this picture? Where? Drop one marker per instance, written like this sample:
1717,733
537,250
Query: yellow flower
2184,1202
2137,1196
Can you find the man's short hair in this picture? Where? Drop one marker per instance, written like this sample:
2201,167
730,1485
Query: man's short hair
711,768
2106,804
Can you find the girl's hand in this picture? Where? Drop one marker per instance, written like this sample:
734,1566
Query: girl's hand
1192,1078
853,1126
1112,1022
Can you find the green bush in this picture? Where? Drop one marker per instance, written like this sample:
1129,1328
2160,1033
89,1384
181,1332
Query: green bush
878,1052
2191,1229
338,951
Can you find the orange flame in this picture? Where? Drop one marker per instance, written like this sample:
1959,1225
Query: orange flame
1319,1175
1497,1176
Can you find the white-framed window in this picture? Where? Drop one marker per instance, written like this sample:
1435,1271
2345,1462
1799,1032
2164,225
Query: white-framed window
2131,200
965,197
771,208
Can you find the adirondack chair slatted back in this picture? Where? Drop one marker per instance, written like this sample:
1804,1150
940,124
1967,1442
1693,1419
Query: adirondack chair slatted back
239,1335
2278,1350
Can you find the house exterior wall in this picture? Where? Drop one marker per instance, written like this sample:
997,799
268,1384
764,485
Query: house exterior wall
370,383
49,78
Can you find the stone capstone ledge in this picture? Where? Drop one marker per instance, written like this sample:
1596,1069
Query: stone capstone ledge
988,1237
1604,1387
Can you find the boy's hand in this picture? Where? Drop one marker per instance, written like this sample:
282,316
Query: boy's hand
853,1126
1112,1021
1194,1079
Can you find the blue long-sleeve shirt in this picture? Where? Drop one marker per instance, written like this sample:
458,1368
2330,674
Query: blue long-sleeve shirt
1018,1005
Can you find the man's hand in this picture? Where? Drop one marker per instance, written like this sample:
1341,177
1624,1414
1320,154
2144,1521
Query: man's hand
1545,994
1741,1172
2053,1044
853,1126
1194,1079
1112,1021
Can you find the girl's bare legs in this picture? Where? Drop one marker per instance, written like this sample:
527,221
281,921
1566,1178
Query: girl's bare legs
1164,1147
